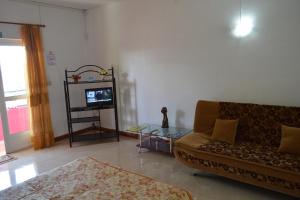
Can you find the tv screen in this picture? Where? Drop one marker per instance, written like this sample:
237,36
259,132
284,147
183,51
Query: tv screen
97,97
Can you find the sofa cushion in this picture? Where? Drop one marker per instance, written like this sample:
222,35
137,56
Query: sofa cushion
193,140
260,124
266,155
290,140
225,130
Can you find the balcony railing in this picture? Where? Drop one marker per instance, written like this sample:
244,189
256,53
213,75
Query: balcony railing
18,120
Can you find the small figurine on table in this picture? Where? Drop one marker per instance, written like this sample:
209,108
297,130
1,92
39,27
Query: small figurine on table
165,122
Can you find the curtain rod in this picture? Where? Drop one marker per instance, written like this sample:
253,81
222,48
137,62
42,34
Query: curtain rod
15,23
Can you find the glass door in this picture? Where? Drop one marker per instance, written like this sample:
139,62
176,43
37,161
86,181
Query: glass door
13,95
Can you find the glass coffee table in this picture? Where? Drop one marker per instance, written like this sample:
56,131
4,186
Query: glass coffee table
155,138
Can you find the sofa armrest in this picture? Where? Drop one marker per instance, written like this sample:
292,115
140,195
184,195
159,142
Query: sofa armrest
193,140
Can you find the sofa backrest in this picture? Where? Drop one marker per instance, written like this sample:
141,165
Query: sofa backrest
260,124
205,116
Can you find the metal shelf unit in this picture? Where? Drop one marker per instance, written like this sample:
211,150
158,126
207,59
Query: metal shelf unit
69,81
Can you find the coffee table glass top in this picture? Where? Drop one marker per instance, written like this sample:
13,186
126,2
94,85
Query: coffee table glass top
171,132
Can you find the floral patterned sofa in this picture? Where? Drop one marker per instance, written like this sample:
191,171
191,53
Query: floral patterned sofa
254,158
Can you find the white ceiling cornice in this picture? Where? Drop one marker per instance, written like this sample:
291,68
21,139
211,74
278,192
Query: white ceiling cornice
74,4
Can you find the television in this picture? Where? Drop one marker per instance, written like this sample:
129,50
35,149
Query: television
99,97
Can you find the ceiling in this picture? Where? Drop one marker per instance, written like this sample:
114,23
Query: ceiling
78,4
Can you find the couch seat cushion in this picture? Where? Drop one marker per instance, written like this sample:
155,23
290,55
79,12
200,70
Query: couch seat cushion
250,152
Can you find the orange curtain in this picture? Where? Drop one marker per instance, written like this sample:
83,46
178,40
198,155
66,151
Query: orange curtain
40,118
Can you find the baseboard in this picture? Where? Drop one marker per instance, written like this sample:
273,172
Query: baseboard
122,133
129,134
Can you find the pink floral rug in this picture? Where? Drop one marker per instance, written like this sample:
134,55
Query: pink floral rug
87,178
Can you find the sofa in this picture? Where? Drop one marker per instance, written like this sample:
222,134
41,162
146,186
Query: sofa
254,157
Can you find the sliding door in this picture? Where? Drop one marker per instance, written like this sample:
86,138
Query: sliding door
13,95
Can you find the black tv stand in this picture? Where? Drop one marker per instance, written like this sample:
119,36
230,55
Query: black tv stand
72,77
77,109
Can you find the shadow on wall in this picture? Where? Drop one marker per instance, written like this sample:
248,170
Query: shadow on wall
179,119
128,102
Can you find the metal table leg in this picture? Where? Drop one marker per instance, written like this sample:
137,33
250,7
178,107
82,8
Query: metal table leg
171,144
140,148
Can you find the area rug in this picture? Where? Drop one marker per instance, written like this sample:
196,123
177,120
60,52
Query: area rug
6,158
87,178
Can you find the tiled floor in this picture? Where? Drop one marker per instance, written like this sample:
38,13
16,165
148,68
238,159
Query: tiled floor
124,154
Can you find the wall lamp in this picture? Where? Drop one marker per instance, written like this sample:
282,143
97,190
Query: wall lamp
243,26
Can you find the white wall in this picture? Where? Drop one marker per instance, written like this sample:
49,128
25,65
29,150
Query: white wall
178,51
64,35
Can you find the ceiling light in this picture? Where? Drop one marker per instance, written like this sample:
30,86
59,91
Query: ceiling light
244,26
